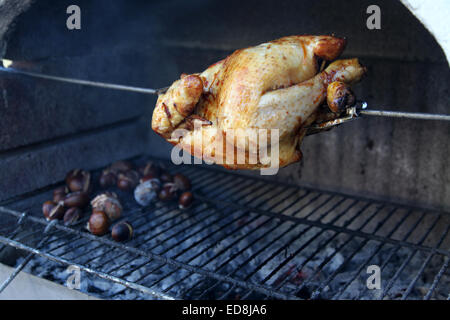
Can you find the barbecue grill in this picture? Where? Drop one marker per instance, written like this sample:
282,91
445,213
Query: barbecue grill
312,232
248,238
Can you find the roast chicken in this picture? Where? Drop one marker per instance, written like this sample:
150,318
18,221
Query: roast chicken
268,94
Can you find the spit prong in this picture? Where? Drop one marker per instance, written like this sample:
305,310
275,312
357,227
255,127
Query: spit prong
351,114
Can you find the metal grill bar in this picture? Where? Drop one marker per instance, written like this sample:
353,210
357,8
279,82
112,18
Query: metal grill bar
377,249
399,270
422,268
16,230
437,279
27,259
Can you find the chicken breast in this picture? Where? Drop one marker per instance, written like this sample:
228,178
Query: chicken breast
256,102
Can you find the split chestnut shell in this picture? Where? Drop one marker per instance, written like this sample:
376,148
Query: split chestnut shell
108,203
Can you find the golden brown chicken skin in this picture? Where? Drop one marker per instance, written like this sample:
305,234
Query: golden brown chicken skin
274,87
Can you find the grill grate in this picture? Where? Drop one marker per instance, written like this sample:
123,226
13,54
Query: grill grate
247,238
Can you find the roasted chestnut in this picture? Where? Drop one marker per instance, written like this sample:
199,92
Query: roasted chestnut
146,191
60,193
107,179
150,169
47,206
52,210
128,180
121,166
122,231
72,215
166,177
167,192
79,180
98,223
181,182
108,203
185,200
78,199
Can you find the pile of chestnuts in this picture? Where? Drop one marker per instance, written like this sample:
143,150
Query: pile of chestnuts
148,183
160,184
69,200
120,173
107,208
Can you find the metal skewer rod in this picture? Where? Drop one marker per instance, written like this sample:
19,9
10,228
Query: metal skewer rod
363,111
408,115
84,82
